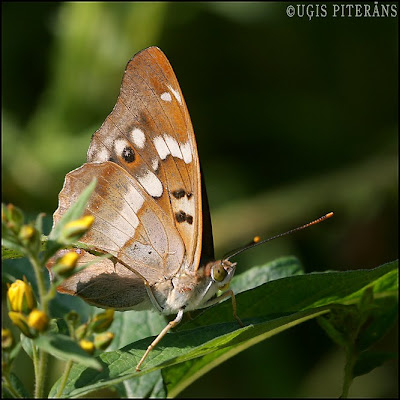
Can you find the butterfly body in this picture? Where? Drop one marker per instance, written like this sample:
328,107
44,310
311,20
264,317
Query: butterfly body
190,291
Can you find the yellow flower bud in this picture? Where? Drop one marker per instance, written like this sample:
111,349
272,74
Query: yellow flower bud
20,296
38,320
72,318
26,232
81,331
20,320
87,345
75,229
101,322
66,264
30,237
12,216
7,339
103,340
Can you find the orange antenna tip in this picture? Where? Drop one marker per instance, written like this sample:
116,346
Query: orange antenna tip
256,239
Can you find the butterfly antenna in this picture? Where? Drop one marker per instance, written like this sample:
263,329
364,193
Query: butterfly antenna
256,241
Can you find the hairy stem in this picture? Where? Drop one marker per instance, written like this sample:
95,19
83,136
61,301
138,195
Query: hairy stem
8,385
38,269
35,359
41,374
64,378
41,361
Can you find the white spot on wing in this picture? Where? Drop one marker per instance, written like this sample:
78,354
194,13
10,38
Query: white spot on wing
173,146
151,184
166,97
168,145
155,164
119,145
186,205
176,94
98,155
138,138
187,152
161,147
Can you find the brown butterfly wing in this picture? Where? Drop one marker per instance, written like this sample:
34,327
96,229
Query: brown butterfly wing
150,135
128,223
148,201
104,283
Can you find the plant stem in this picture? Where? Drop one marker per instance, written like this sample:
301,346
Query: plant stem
10,387
351,358
64,378
41,361
38,269
35,359
41,374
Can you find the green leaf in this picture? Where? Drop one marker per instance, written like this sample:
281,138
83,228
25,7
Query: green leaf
11,248
177,348
15,351
39,223
301,292
146,386
256,276
64,348
18,386
145,323
381,319
63,303
369,360
9,253
214,336
27,345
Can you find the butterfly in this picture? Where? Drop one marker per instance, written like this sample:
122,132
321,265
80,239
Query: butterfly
150,204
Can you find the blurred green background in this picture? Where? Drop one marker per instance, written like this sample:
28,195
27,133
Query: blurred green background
293,118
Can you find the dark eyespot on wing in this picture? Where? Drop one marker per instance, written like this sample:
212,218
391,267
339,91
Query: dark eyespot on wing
178,193
181,216
128,154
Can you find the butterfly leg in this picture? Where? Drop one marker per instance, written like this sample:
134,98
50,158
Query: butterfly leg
219,298
151,296
170,325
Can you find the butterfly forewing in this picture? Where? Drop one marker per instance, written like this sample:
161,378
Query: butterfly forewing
150,135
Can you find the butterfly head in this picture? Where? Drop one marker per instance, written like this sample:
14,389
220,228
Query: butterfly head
222,272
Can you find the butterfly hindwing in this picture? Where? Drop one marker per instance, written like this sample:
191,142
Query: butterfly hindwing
128,224
124,290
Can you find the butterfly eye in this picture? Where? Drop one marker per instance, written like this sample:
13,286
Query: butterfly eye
218,273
